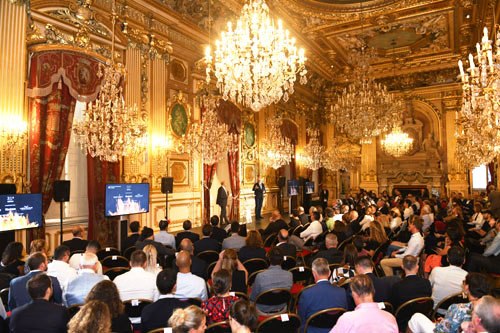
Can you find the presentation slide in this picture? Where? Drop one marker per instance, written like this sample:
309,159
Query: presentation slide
126,199
309,187
293,187
20,211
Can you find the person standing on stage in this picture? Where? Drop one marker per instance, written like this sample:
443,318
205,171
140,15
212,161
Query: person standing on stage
259,189
222,202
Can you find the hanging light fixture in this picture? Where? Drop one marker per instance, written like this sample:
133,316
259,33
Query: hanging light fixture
397,143
275,150
110,128
339,157
312,155
256,62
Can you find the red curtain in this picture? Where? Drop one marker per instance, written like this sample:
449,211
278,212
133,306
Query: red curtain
233,159
99,173
51,119
208,176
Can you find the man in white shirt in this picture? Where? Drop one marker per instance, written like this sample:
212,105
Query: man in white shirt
59,267
448,280
314,229
414,247
137,283
163,236
92,247
408,210
188,284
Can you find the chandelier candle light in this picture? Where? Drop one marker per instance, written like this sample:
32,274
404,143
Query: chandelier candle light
397,143
276,150
313,152
256,62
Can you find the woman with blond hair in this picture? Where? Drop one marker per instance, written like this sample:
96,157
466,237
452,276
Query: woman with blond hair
254,247
151,259
377,237
38,245
188,320
228,260
93,317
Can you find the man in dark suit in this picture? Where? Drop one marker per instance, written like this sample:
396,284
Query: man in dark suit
217,233
323,196
412,286
133,237
322,295
156,315
222,202
39,315
198,266
18,294
187,233
77,243
276,223
331,254
364,265
259,189
302,216
382,207
287,248
206,243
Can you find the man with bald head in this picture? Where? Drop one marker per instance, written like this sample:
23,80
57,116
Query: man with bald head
198,266
283,244
188,284
276,223
332,254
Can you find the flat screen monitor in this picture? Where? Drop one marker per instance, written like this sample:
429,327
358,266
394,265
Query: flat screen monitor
293,187
20,211
126,199
309,187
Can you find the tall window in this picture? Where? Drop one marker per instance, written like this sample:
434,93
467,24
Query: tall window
480,177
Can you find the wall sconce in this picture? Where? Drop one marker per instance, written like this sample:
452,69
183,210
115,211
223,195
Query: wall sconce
13,134
160,146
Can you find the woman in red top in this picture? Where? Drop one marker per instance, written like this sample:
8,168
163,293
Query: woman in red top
217,307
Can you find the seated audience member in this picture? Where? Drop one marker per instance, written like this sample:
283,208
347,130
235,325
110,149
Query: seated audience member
364,266
314,229
359,243
395,219
217,233
11,262
427,218
92,247
206,243
18,294
188,320
353,226
39,315
217,307
235,241
38,245
273,277
137,283
367,316
146,238
276,223
411,286
152,265
133,237
448,280
93,317
488,224
366,221
453,237
187,233
294,219
229,261
302,215
77,243
376,236
485,316
477,219
330,222
188,284
321,296
243,317
415,246
106,292
332,254
284,245
87,278
346,270
156,315
475,286
254,247
489,261
163,237
198,266
59,267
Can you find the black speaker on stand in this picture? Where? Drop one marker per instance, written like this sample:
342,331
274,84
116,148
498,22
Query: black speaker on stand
167,186
7,236
61,195
281,184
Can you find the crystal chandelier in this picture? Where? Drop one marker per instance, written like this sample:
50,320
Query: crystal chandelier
275,150
109,127
397,143
478,134
256,63
313,152
210,139
365,109
336,158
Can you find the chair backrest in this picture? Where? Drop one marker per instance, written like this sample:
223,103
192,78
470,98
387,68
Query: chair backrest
133,308
321,237
112,273
194,301
326,318
255,264
5,279
210,269
379,252
108,251
288,263
297,298
302,275
73,310
447,301
251,277
344,243
4,295
287,322
298,230
240,295
388,307
220,327
128,252
423,305
208,256
270,240
275,296
115,261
